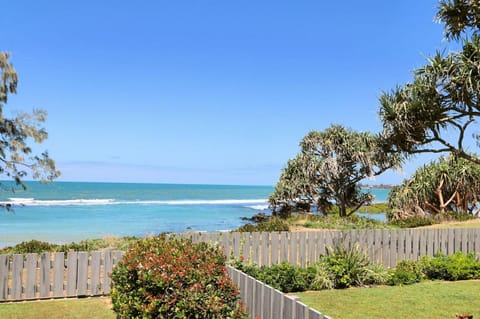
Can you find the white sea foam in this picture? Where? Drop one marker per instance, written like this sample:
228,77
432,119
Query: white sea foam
91,202
258,207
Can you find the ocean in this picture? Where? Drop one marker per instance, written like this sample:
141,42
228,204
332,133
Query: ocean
63,212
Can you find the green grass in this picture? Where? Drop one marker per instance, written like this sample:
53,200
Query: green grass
335,222
377,208
431,299
98,308
469,224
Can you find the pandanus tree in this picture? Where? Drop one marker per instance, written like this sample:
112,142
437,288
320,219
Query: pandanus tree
327,171
451,184
17,159
437,111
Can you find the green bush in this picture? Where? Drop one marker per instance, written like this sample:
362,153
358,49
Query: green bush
283,277
412,222
35,246
458,266
270,225
345,267
32,246
459,216
174,278
407,272
333,221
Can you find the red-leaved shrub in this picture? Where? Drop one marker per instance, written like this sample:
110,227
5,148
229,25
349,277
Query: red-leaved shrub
174,278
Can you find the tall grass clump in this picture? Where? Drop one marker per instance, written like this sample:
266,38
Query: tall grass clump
344,267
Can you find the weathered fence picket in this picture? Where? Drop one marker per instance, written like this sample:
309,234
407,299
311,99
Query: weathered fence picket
51,275
58,275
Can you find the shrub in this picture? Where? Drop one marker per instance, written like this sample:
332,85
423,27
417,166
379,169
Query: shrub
333,221
35,246
324,278
412,222
457,216
407,272
270,225
345,267
32,246
284,277
173,278
458,266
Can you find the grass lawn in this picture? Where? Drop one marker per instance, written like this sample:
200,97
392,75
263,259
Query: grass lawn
474,223
431,299
98,308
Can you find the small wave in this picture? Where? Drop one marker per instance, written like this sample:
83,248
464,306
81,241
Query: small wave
99,202
258,207
67,202
198,202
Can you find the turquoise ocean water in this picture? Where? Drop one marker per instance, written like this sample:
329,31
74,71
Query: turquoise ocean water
71,211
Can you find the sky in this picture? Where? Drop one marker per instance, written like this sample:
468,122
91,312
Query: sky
207,92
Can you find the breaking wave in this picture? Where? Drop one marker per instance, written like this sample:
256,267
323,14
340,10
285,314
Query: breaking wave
100,202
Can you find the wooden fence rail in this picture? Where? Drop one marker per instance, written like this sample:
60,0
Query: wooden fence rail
56,275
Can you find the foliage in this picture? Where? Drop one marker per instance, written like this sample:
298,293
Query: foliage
459,216
458,266
450,184
17,160
174,278
270,225
339,268
283,276
459,16
412,222
32,246
345,223
435,112
36,246
328,170
407,272
347,267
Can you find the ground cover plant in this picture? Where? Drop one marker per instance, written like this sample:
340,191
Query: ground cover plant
163,277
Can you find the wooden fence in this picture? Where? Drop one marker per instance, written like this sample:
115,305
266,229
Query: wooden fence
59,275
265,302
56,275
385,246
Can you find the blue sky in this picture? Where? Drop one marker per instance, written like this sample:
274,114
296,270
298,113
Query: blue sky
216,92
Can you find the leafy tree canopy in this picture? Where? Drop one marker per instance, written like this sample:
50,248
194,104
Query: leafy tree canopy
17,160
450,184
437,111
329,168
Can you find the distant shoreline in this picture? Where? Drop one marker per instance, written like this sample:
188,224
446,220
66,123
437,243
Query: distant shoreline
378,186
